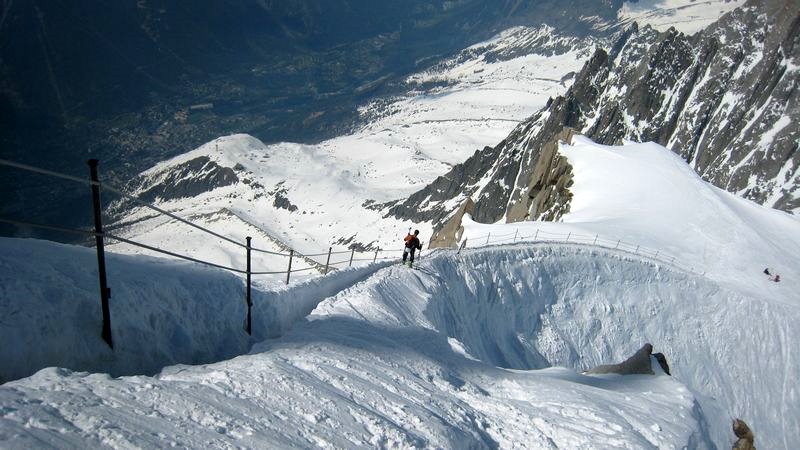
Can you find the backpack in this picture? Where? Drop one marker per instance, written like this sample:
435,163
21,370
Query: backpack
412,241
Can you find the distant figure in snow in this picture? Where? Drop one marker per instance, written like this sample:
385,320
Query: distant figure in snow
412,245
776,278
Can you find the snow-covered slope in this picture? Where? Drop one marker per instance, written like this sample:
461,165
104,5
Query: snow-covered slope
162,312
686,16
310,197
532,307
476,349
725,100
417,358
647,196
440,356
379,365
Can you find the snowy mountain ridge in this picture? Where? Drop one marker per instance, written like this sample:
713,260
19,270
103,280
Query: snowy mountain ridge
464,104
386,349
688,17
479,348
374,364
468,102
724,100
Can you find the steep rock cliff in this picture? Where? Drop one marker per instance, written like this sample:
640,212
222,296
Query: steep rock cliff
725,99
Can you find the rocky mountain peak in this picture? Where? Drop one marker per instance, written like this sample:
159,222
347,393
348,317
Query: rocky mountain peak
725,99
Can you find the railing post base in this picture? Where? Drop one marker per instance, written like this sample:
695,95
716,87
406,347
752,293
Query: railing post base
328,261
289,272
248,326
105,292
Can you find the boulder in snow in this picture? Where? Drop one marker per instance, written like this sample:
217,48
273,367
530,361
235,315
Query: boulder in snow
639,363
745,435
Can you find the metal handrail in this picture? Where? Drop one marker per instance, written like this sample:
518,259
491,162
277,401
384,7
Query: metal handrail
167,252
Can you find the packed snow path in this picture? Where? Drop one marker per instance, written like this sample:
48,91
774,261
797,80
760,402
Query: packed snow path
424,358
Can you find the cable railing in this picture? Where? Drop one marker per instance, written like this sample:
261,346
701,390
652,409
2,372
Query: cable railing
374,255
101,236
575,238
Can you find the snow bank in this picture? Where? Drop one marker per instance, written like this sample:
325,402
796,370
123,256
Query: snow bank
162,312
374,366
441,356
531,307
647,196
645,193
438,357
686,16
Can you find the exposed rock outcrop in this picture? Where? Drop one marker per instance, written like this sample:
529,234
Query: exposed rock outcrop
640,363
725,99
662,361
188,179
500,178
746,439
428,204
547,196
450,232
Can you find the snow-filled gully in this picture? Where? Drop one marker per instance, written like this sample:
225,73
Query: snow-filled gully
522,307
436,356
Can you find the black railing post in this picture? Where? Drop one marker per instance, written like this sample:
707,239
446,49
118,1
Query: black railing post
353,252
105,292
289,272
248,327
328,261
463,245
376,256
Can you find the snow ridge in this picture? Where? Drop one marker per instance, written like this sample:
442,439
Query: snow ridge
393,360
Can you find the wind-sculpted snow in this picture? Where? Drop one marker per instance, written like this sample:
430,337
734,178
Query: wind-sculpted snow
436,356
162,312
527,307
376,365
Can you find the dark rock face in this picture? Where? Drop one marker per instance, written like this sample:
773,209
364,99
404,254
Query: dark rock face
188,179
451,231
725,99
282,200
662,361
426,205
499,178
547,195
